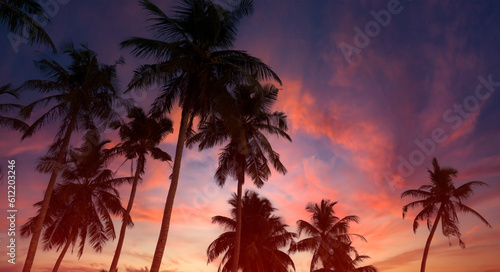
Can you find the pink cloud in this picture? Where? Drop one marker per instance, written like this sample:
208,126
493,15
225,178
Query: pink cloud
347,127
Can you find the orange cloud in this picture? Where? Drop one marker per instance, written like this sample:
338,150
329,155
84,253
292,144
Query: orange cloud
346,127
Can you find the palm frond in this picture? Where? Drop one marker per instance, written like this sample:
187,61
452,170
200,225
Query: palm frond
16,14
466,209
416,193
466,190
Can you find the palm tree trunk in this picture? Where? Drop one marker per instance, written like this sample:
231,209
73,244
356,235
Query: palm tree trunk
126,216
167,213
30,257
236,253
61,256
429,239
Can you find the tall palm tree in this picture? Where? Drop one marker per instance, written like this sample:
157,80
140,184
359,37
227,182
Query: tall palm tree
82,204
194,65
441,201
140,136
83,94
244,123
17,15
262,236
329,239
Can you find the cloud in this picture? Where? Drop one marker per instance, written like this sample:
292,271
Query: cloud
355,135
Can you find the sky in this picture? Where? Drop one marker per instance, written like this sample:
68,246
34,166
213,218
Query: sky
373,91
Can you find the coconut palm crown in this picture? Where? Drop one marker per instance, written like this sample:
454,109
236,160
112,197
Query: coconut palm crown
329,239
262,236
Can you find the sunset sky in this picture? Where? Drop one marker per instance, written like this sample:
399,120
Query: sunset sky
367,113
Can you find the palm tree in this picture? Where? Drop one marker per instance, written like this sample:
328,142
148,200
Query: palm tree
82,204
83,93
329,239
16,14
140,136
195,65
243,122
441,201
262,236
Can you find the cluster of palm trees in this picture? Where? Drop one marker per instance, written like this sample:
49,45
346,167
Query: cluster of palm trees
229,95
82,203
263,235
195,67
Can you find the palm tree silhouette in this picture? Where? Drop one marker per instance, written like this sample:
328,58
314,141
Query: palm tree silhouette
140,136
244,122
329,239
83,93
442,200
82,204
16,15
195,65
262,236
